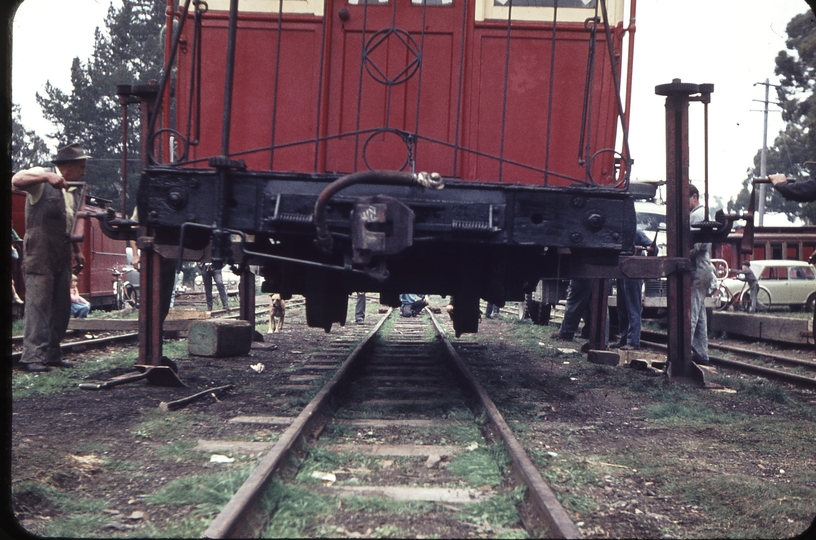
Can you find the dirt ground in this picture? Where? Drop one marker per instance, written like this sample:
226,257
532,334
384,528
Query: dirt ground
67,440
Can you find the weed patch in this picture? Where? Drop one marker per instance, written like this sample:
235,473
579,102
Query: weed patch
478,467
208,493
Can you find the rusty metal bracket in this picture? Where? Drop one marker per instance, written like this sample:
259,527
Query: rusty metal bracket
116,227
380,225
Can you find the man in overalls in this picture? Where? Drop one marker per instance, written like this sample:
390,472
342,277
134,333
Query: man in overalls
49,254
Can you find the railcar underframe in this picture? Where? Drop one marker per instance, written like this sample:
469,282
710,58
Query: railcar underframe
467,240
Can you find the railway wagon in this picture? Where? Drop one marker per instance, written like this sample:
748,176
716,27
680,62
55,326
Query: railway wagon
461,148
792,243
103,255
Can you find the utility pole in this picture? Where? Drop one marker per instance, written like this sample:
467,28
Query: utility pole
763,173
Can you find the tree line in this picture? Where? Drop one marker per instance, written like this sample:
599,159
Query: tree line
130,51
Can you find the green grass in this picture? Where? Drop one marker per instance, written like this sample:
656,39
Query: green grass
321,460
157,425
75,515
499,510
208,493
480,467
297,511
57,380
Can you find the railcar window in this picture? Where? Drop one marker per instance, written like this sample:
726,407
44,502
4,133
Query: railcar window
576,11
801,272
313,7
773,272
433,2
547,3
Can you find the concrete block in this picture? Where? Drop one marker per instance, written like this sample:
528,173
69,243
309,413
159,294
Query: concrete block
606,358
220,337
758,326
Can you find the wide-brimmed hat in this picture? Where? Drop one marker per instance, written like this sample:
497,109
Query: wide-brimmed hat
72,152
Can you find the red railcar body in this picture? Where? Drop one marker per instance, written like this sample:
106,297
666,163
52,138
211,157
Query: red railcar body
102,254
278,123
791,243
486,102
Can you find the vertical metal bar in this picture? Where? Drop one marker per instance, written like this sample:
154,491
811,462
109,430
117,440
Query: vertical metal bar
150,323
678,231
275,88
506,84
319,109
168,65
621,113
631,58
360,85
550,96
123,100
246,292
228,79
705,155
419,82
457,146
194,100
586,122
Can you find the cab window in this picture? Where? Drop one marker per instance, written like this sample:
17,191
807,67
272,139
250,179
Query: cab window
801,272
773,272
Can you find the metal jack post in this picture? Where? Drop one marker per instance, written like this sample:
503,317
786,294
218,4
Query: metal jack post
679,237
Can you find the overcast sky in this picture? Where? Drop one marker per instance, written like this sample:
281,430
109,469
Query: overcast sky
731,44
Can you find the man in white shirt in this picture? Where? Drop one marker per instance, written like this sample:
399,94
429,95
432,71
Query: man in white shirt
49,255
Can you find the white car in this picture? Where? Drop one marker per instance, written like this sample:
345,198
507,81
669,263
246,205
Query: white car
781,283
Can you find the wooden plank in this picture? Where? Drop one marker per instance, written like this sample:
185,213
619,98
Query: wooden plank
239,447
405,450
412,493
127,325
273,420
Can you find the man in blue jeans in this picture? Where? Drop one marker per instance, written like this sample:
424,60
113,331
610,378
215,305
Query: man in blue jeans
577,307
211,274
412,304
630,302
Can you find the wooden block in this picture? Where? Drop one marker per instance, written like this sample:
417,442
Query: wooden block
606,358
220,337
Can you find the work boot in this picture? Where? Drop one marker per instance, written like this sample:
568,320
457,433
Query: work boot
36,367
61,363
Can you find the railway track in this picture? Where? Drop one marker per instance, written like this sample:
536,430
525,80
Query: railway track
77,341
413,395
757,362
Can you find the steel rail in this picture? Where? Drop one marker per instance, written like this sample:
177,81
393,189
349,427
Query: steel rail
236,518
750,368
544,502
65,347
748,352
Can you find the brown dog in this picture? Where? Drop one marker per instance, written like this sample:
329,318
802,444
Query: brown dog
277,312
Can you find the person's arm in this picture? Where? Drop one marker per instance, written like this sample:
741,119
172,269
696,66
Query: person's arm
798,191
134,259
79,258
30,177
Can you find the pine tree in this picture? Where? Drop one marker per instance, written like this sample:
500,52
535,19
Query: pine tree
128,51
796,144
27,148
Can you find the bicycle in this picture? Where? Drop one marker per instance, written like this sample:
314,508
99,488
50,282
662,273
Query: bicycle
125,293
740,301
